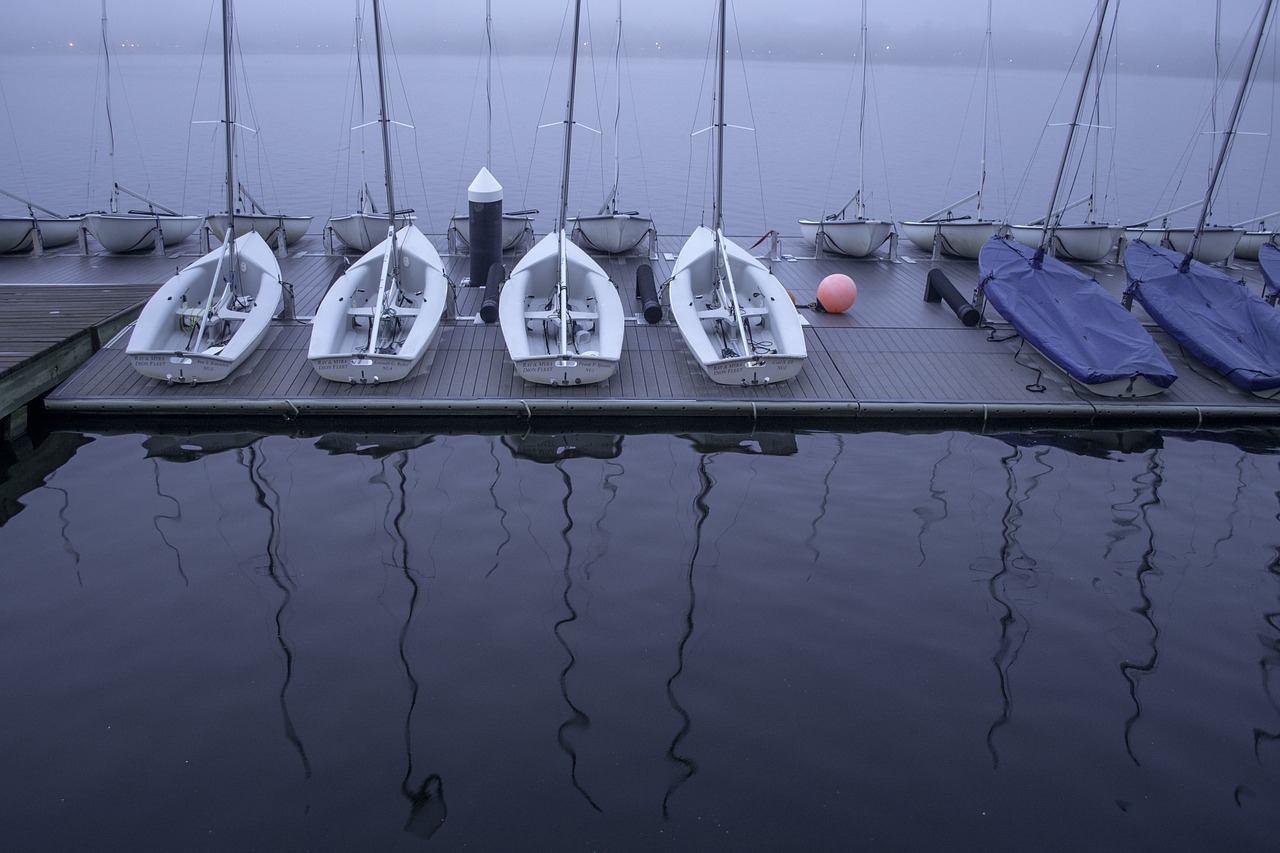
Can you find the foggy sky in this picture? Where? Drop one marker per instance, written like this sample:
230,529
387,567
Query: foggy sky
1169,33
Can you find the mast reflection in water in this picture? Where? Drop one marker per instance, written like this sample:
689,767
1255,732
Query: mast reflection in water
715,640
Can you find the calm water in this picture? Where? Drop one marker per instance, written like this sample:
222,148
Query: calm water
700,641
812,641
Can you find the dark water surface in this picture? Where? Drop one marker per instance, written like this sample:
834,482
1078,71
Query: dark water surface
815,641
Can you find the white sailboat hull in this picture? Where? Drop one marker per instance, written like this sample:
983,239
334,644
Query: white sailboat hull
167,341
268,227
960,238
1215,245
613,234
340,333
1251,242
135,232
17,233
856,238
708,328
514,228
1088,242
528,310
362,231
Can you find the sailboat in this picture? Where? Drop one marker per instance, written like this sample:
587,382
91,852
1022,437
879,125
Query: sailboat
1213,317
517,223
942,231
365,227
614,231
133,230
247,214
561,315
1088,241
858,236
1208,243
1063,313
35,233
735,317
376,321
206,320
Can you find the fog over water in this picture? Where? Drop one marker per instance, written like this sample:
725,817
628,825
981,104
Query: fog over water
1166,34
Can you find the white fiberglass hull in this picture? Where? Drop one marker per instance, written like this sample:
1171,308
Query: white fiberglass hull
269,228
614,233
774,342
1251,242
514,228
362,231
961,238
341,349
183,335
1215,245
856,238
18,233
1087,242
550,344
135,232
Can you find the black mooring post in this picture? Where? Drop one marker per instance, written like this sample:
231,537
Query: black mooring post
938,288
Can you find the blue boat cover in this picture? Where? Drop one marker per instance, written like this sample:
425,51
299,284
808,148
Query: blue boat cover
1269,261
1214,317
1068,317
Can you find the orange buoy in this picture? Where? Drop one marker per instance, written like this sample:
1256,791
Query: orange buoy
836,293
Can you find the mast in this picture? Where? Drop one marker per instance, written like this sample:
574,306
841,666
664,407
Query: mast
717,211
611,203
1071,130
986,107
385,121
488,81
862,114
111,133
568,121
226,268
229,123
1229,132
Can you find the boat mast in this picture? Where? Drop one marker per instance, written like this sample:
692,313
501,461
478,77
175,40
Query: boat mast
385,121
986,108
226,268
859,208
488,81
568,122
1229,132
229,123
717,210
111,133
611,203
1047,235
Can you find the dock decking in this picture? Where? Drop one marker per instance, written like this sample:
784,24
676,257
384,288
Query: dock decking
892,355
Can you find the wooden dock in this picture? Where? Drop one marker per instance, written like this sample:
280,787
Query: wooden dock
892,355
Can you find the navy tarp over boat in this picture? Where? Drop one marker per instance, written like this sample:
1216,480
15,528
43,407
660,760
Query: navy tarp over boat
1269,261
1217,319
1068,317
